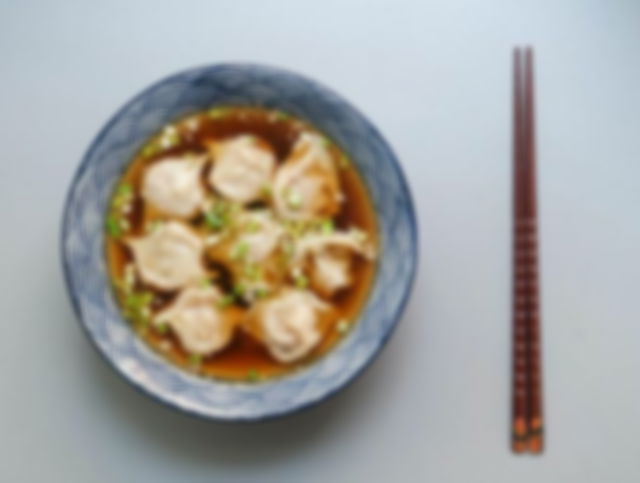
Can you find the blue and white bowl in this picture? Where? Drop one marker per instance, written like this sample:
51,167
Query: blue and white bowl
84,263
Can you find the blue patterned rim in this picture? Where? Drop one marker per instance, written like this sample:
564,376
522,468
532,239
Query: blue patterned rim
82,243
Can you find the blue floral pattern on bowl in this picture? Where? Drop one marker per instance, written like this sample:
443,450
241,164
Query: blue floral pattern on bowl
84,262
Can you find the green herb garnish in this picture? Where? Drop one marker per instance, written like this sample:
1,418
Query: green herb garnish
150,149
138,300
137,307
280,116
287,248
217,112
195,359
301,281
327,227
267,190
252,271
253,226
124,190
113,226
253,375
344,162
239,289
240,251
214,220
172,140
294,199
226,300
219,216
152,226
342,326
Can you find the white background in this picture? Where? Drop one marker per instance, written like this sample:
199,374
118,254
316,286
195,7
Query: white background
435,77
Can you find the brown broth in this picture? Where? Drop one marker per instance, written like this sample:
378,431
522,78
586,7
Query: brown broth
244,355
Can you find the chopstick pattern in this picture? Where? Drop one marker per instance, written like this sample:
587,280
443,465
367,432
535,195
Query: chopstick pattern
527,411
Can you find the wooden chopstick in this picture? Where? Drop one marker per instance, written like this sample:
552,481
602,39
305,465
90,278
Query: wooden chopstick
527,410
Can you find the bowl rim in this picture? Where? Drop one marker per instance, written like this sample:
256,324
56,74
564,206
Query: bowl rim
397,315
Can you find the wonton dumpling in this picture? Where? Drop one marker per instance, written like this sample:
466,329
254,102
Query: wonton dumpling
242,168
289,324
173,186
169,257
250,252
328,258
194,317
260,235
332,271
306,186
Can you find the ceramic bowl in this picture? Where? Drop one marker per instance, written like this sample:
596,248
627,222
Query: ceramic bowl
83,256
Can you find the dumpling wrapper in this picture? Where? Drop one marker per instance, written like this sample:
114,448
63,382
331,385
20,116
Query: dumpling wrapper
250,252
173,186
332,271
260,233
290,324
306,186
169,257
328,258
242,168
201,326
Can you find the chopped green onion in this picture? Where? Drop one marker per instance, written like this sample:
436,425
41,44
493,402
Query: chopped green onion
113,226
214,220
146,298
252,271
129,278
217,112
171,140
301,281
287,248
344,162
133,300
253,375
342,326
294,199
205,282
195,359
239,289
219,215
267,190
125,225
138,307
145,313
297,228
326,142
124,189
226,300
327,227
150,149
253,226
152,226
162,328
280,116
261,292
240,251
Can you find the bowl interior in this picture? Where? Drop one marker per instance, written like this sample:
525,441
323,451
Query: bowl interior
83,244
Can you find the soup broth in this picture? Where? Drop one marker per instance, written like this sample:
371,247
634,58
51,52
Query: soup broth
201,138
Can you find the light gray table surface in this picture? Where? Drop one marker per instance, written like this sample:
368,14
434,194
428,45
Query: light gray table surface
435,77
